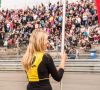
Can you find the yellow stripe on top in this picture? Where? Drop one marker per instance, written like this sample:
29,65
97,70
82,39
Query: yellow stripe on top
33,71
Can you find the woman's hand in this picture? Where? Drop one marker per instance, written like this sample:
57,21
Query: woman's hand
63,60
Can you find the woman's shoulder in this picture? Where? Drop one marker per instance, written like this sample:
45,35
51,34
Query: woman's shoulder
47,55
47,59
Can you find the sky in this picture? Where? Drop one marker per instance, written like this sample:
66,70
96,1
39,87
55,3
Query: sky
24,3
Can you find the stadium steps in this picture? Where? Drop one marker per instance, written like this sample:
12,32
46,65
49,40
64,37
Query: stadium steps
76,65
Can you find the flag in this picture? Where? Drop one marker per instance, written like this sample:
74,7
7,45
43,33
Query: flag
98,9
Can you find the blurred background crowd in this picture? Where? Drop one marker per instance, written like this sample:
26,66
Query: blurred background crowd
81,28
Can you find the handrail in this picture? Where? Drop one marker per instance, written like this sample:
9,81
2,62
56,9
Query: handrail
68,60
76,65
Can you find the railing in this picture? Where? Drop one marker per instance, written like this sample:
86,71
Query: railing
83,62
54,56
76,65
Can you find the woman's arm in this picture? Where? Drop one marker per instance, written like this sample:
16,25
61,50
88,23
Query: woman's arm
56,74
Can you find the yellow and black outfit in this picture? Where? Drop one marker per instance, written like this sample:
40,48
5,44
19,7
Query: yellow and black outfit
38,74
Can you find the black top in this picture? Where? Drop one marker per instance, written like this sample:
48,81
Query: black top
45,68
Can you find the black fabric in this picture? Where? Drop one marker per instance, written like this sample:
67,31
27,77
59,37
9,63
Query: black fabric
56,74
41,85
46,68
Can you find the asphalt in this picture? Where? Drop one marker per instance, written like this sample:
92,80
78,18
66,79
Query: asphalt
71,81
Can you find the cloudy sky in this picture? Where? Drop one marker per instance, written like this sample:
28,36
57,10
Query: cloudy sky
24,3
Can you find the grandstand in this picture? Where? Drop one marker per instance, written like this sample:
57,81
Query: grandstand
81,29
82,35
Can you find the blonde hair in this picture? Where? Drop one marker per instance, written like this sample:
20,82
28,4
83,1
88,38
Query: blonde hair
36,44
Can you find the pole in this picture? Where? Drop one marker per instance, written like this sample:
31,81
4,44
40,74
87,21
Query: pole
63,25
63,31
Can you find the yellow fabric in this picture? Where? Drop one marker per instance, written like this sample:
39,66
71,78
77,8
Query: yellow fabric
33,71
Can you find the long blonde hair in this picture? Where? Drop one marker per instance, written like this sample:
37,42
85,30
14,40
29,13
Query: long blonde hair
36,44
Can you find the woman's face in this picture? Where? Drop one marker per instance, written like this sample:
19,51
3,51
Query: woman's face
46,43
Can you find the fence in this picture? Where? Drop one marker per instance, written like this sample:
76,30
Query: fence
75,65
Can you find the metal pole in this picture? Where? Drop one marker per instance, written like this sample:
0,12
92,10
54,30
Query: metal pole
63,31
63,25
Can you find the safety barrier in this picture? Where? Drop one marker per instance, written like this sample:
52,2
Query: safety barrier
75,65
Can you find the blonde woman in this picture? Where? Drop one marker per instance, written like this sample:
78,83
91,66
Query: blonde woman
38,64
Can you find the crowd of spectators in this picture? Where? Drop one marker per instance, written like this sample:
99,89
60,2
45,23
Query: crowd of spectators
81,27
